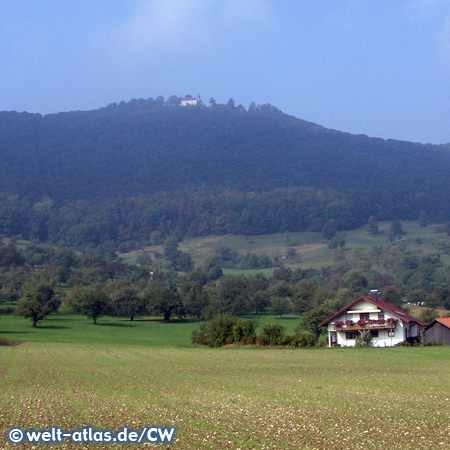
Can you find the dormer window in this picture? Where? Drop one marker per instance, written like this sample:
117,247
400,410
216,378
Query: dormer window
381,315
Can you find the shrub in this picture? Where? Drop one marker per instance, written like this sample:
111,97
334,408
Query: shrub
272,334
200,336
288,340
304,338
244,331
364,339
216,332
6,342
220,330
323,340
259,341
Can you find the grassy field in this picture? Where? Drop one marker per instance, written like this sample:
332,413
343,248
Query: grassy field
115,331
73,373
312,250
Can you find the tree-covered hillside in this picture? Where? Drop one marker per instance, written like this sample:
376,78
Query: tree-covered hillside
146,169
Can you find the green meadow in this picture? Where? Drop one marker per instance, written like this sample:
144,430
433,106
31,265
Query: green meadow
149,331
69,372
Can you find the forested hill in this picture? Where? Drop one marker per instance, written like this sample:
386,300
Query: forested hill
151,168
144,147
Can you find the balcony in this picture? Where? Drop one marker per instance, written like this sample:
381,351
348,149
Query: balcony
379,324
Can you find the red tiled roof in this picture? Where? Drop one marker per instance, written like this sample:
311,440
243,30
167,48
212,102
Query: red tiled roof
444,321
381,304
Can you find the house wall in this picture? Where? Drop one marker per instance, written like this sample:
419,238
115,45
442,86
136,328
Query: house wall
383,340
437,334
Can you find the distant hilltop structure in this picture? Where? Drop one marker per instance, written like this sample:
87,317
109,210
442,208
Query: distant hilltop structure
189,100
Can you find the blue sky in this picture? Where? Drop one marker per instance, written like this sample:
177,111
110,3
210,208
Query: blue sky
378,67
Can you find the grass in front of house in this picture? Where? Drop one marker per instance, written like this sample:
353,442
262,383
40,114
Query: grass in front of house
233,398
116,331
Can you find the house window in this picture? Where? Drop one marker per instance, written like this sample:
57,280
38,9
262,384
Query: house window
374,333
381,315
350,335
364,316
391,333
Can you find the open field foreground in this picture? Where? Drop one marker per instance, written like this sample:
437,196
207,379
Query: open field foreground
233,398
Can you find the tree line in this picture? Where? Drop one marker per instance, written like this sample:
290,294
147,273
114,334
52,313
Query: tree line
36,279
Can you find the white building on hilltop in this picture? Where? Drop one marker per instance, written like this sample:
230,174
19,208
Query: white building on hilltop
387,324
188,100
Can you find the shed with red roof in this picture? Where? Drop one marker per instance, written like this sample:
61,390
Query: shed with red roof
438,332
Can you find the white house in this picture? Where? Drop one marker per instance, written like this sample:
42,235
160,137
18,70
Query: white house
188,100
387,324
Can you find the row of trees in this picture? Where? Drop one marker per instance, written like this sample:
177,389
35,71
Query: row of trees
159,297
94,284
203,293
160,102
197,295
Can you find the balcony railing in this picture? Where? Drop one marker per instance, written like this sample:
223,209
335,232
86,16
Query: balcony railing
379,324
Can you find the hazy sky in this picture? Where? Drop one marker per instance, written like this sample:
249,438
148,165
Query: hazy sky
379,67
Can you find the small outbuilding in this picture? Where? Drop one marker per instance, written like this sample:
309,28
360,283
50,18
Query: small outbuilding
438,332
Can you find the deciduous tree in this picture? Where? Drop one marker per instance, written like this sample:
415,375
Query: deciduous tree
38,300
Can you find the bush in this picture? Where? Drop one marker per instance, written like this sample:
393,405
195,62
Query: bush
323,340
216,332
6,342
304,338
288,340
244,331
220,330
364,339
200,336
259,341
272,334
224,329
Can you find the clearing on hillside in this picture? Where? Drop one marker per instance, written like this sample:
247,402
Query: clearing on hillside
309,249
